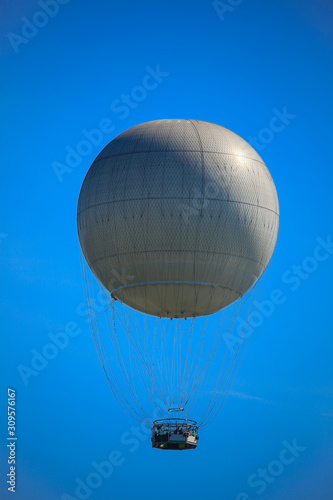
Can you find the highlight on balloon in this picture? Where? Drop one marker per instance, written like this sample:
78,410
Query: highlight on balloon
177,222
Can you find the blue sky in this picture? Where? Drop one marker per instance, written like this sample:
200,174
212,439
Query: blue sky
239,66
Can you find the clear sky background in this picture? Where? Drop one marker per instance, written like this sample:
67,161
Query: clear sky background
238,65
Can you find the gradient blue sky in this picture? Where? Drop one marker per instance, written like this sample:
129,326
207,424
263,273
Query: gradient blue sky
262,56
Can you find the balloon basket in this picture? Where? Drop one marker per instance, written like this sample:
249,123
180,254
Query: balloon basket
174,434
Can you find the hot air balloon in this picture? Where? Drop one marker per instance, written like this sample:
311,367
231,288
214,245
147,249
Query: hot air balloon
177,222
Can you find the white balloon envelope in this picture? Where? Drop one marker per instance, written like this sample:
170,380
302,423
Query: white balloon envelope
178,218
